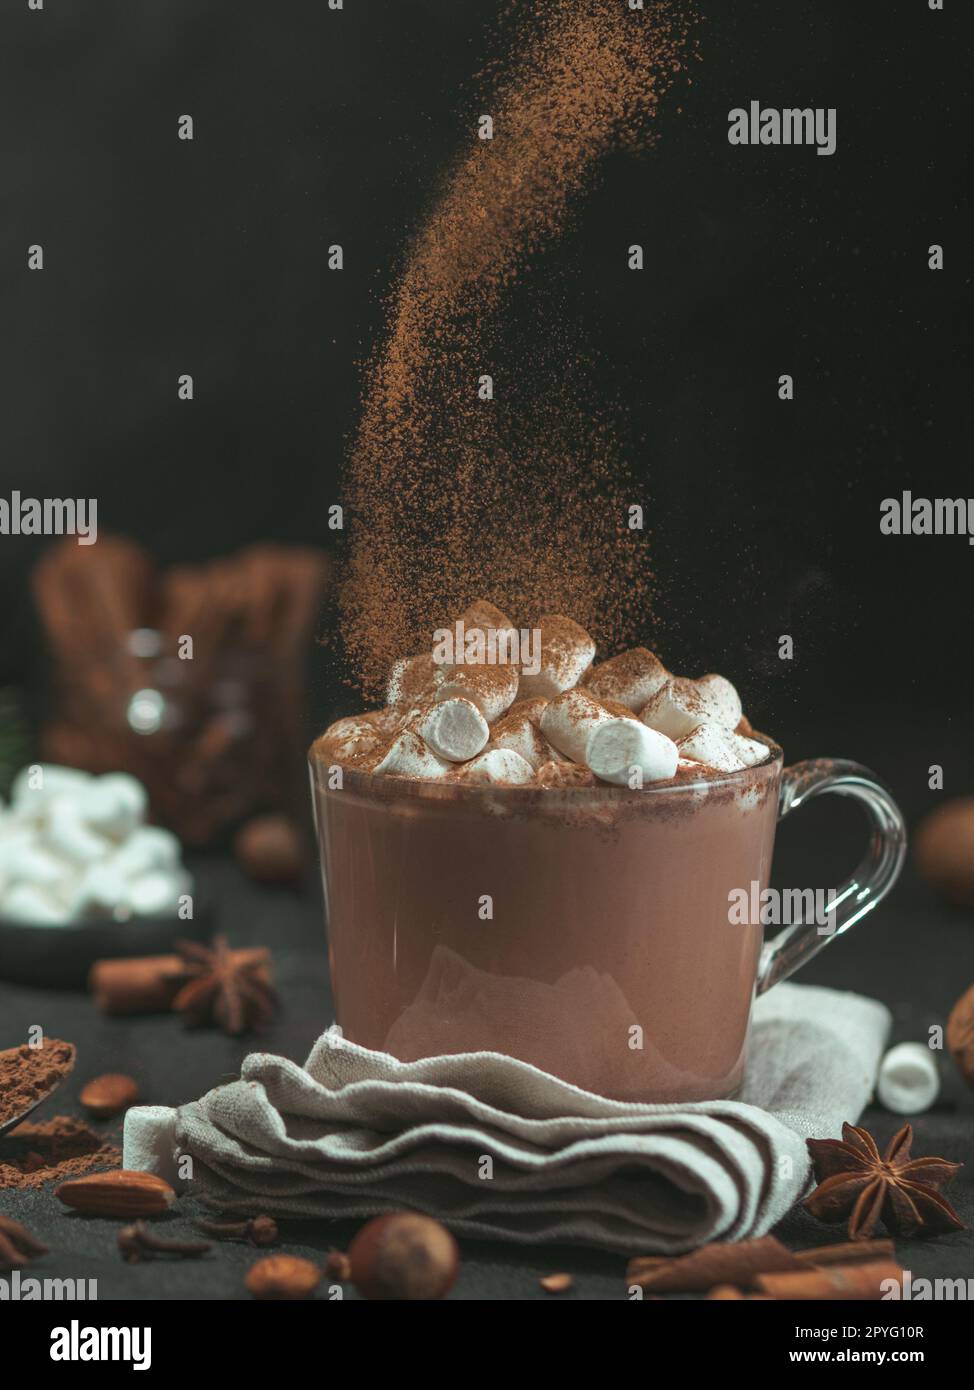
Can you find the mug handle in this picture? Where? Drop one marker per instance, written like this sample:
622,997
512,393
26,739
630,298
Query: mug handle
875,876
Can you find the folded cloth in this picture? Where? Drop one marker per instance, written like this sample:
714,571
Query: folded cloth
499,1150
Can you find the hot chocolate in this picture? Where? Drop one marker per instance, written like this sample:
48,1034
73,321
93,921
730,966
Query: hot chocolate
545,871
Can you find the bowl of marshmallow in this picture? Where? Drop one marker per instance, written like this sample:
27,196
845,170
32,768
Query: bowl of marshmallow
84,876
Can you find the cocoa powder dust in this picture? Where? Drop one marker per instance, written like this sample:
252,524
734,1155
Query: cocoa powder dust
522,498
61,1148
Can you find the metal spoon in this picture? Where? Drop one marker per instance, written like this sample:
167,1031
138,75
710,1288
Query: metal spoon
10,1124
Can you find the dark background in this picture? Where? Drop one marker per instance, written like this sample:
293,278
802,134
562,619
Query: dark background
164,256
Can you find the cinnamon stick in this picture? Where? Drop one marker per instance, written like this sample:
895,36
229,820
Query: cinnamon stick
146,984
856,1281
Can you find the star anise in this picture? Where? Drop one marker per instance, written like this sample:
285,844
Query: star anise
855,1181
231,988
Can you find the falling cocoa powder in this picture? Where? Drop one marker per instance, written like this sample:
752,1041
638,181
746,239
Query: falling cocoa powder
34,1154
521,497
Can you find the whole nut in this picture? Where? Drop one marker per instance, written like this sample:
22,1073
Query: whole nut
119,1192
944,850
403,1255
282,1276
109,1094
270,850
960,1035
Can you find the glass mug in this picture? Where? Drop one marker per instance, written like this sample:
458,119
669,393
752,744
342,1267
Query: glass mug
588,931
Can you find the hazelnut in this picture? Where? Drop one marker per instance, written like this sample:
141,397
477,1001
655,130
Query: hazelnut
109,1094
960,1035
270,849
944,850
403,1255
282,1276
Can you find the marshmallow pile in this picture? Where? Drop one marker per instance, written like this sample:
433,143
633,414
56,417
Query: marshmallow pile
627,721
74,847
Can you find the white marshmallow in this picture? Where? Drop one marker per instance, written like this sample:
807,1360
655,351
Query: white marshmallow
454,729
620,748
149,1143
493,689
150,847
352,738
67,834
102,891
35,787
521,735
27,861
413,680
568,720
721,748
114,804
497,765
678,708
483,617
408,756
566,654
157,894
726,702
632,678
26,902
681,705
909,1079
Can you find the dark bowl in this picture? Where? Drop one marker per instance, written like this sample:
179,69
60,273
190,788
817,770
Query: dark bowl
60,957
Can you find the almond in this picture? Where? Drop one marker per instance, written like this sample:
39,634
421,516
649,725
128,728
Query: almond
556,1283
282,1276
119,1192
109,1094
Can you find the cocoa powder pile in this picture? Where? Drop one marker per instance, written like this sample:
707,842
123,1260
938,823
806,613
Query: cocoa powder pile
522,496
28,1073
34,1154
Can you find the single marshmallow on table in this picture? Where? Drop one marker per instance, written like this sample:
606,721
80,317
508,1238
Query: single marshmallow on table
569,719
909,1079
493,689
413,680
408,756
149,1143
619,748
496,765
484,617
566,654
454,729
721,748
632,678
520,733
